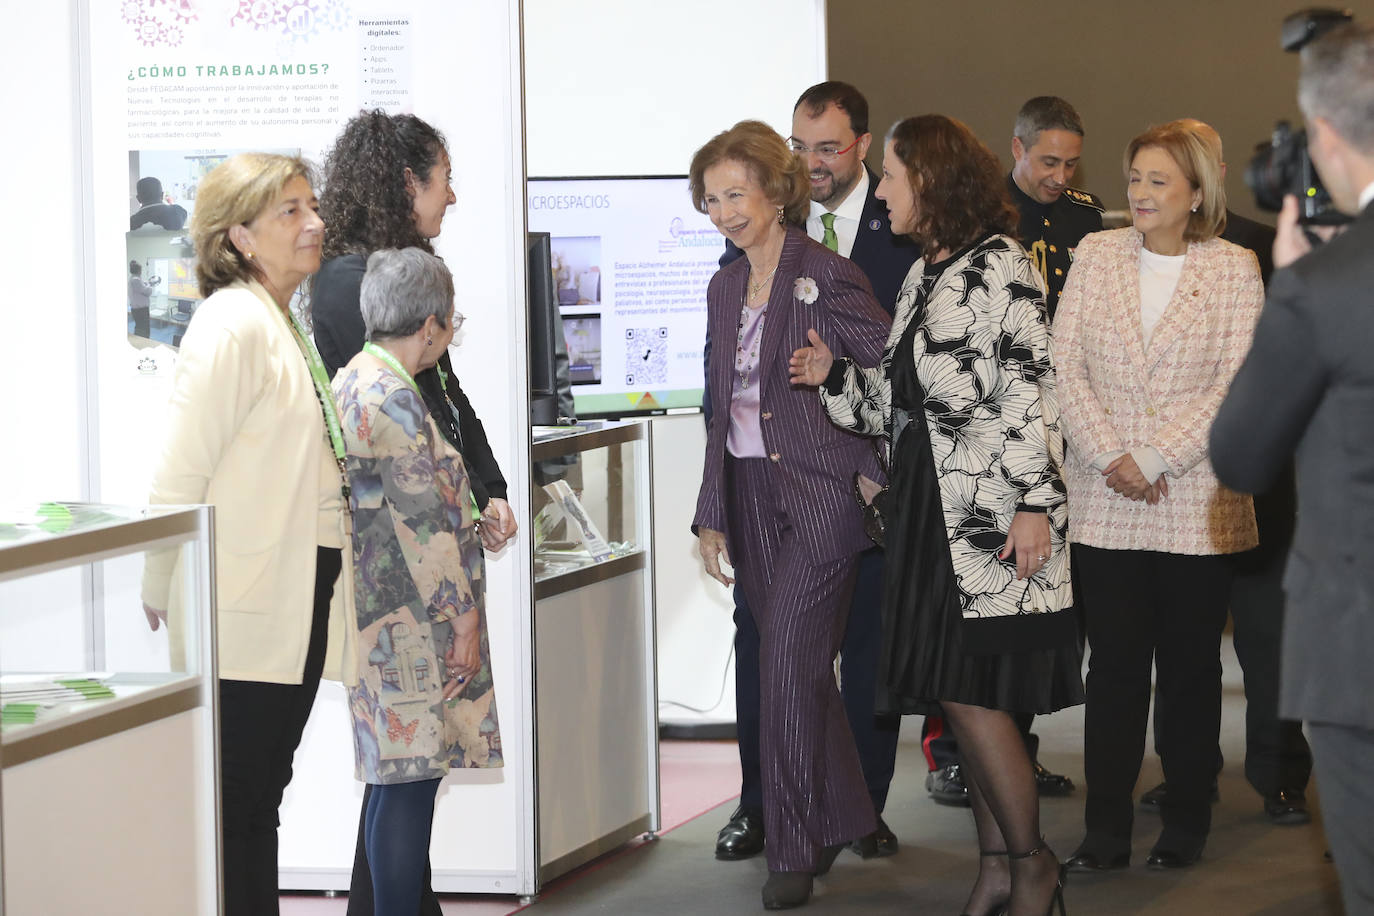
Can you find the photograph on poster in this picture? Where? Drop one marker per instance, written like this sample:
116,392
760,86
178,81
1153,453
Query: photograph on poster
582,331
162,289
577,268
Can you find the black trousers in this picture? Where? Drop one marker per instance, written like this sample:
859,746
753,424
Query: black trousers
1277,756
1145,606
874,736
141,320
260,726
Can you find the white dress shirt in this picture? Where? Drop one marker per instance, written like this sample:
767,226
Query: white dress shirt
847,216
1365,197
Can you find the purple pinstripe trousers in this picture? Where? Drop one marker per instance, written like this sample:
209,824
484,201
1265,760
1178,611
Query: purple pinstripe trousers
813,788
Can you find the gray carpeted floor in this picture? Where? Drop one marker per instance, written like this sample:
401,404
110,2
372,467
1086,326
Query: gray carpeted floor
1249,867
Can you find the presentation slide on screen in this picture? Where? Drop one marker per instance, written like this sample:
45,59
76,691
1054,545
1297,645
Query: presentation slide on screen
631,261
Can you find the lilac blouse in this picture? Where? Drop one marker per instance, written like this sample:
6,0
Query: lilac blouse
745,436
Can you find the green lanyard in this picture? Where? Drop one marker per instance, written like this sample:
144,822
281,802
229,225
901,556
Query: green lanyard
395,365
326,398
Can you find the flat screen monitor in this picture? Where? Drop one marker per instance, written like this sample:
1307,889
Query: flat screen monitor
631,261
543,318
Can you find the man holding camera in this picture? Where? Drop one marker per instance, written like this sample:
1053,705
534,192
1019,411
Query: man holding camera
1308,387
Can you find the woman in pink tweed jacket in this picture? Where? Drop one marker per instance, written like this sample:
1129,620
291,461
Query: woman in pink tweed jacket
1154,322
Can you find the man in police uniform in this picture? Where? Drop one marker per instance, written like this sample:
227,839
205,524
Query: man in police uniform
1046,144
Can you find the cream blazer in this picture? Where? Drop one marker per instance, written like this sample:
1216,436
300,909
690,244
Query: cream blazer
246,435
1116,394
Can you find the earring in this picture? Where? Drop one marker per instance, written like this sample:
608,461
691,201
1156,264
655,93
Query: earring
1194,210
249,256
780,220
429,341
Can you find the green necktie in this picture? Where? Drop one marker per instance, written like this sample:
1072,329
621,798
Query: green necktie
830,239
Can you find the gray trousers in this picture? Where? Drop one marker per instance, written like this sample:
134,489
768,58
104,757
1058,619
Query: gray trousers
1344,757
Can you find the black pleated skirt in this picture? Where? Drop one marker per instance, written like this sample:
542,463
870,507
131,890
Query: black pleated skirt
926,655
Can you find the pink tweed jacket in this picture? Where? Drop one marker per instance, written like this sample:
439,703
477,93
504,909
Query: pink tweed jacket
1116,394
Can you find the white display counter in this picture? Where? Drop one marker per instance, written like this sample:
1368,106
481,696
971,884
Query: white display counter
108,765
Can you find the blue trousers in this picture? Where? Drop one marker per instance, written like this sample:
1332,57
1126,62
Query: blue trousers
398,821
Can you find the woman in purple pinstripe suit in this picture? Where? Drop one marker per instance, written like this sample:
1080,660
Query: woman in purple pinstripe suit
775,500
977,607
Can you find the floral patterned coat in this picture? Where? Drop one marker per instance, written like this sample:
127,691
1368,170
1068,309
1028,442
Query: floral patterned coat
982,357
418,570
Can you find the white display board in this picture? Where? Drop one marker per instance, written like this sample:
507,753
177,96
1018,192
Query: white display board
175,86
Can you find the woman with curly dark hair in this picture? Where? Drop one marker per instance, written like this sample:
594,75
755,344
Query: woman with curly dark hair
388,185
977,618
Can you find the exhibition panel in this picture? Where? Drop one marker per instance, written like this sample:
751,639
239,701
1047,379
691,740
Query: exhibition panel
118,743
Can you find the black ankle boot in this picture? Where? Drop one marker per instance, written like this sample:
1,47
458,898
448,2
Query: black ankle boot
785,890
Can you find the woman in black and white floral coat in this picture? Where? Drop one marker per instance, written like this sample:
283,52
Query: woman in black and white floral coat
977,613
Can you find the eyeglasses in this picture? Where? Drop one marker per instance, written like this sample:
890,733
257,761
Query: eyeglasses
458,319
826,152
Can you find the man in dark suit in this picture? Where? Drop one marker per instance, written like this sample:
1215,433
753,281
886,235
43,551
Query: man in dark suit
1046,144
1307,387
1278,761
830,130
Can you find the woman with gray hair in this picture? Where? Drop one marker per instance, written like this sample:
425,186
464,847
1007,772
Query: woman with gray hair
423,701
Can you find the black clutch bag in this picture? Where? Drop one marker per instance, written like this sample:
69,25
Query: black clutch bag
873,499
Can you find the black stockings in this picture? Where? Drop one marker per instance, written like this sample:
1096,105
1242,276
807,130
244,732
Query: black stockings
1006,812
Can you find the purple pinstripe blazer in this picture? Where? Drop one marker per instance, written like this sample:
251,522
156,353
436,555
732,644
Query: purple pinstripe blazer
815,459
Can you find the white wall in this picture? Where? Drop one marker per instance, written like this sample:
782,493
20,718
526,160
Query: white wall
624,87
41,237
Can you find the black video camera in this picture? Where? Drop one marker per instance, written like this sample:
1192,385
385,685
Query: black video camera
1282,166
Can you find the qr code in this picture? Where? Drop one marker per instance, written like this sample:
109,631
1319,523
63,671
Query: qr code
646,357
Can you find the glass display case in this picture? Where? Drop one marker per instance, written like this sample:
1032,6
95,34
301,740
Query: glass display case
595,653
590,509
107,708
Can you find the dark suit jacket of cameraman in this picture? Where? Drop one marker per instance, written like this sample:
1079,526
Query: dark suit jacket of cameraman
1307,387
883,257
1276,508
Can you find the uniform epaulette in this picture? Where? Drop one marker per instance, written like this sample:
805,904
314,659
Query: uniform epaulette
1085,199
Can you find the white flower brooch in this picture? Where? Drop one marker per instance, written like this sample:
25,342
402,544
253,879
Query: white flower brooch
805,289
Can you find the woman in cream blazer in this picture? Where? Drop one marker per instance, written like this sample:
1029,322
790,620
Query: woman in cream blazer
248,434
1155,320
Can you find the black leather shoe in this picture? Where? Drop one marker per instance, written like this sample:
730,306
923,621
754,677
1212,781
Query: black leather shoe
1151,800
741,837
1162,859
1088,860
1051,785
881,842
946,786
785,890
1287,809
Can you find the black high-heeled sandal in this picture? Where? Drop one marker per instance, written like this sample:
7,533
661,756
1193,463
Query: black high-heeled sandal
1001,907
1059,882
